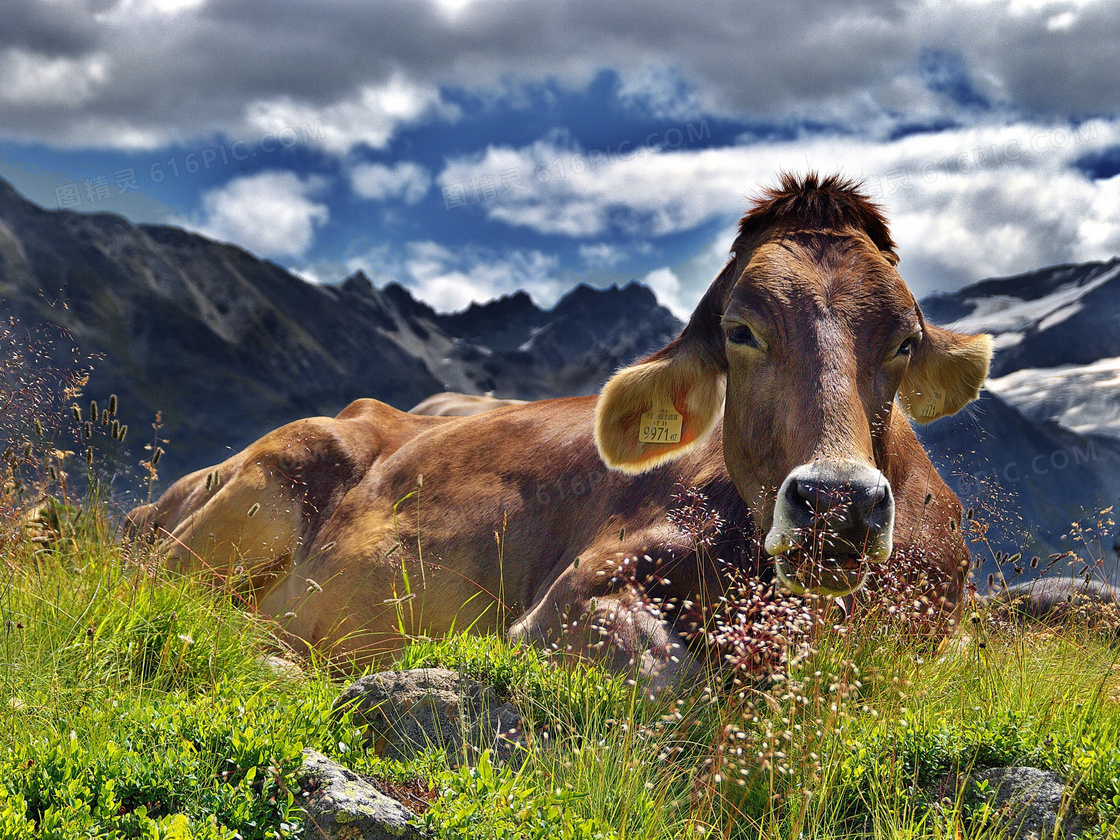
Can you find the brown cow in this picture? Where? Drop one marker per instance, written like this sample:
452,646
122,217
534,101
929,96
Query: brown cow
562,522
454,404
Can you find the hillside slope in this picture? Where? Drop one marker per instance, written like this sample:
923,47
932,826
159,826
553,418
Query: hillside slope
228,346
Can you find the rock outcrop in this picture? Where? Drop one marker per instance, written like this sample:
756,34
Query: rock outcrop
1030,804
406,712
339,804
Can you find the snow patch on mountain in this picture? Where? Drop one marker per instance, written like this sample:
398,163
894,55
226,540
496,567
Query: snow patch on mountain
1082,398
1008,317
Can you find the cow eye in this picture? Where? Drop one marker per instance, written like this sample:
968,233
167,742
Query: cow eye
905,348
741,334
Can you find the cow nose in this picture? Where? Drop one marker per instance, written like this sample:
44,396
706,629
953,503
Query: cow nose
830,515
857,501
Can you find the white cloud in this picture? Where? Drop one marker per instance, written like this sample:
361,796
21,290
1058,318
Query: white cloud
667,286
271,214
450,280
602,254
378,182
662,91
370,118
964,203
582,194
29,78
453,8
165,7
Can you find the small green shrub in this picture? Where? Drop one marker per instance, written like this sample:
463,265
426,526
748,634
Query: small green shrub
224,763
495,802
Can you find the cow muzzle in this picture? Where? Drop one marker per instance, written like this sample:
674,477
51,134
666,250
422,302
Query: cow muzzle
831,519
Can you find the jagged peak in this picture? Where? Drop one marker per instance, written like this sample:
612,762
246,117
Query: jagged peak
632,294
358,283
517,303
400,297
516,300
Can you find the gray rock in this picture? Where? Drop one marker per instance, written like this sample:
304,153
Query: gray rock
340,805
1031,801
406,712
283,668
1055,599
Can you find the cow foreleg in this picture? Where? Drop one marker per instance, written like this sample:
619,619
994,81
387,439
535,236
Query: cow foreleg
622,631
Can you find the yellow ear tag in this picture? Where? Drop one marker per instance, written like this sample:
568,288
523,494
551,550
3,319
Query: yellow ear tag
934,403
661,424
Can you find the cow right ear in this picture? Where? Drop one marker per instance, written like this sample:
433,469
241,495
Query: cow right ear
945,373
659,409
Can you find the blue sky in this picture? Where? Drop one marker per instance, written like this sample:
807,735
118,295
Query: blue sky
469,149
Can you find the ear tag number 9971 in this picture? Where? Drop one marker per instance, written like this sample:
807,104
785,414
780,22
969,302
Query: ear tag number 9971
661,424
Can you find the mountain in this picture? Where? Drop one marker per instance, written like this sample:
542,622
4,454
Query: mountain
227,346
1057,336
1046,433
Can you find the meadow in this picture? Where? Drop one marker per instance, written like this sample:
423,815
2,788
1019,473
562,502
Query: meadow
139,704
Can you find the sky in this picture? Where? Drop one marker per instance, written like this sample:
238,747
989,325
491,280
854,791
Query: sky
471,148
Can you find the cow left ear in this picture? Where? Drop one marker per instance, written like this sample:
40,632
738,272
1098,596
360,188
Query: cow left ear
945,373
659,409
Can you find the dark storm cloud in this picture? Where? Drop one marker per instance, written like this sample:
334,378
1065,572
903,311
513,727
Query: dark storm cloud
1053,68
52,29
139,76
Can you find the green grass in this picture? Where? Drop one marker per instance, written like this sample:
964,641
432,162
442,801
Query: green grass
134,704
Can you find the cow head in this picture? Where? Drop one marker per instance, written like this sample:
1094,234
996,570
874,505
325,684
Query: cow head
803,344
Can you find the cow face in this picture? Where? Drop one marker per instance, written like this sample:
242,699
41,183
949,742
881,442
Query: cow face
804,342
